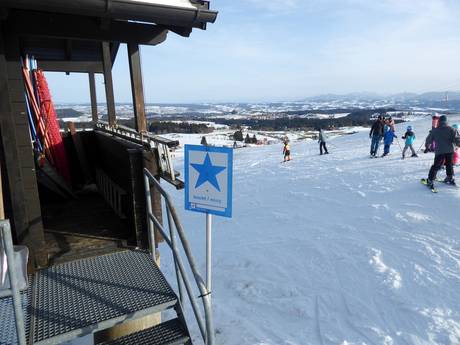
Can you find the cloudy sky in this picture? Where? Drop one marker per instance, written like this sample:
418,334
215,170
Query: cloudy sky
270,50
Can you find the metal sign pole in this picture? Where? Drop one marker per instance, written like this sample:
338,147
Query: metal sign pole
208,252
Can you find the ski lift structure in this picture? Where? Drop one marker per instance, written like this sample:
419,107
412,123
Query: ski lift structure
106,215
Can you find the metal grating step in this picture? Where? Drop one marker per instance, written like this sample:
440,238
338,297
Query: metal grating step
168,333
8,333
87,295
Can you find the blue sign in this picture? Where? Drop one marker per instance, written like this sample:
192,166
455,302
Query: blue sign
208,179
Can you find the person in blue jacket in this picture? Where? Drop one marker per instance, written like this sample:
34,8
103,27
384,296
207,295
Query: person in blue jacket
409,136
388,136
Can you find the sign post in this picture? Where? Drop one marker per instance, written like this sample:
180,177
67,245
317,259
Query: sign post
208,188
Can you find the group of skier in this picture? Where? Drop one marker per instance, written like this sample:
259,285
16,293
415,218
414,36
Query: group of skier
442,140
384,129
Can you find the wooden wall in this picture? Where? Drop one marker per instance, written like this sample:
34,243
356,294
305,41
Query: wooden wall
17,156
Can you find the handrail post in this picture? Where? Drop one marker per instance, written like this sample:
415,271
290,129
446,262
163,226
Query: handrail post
151,234
172,234
207,330
14,283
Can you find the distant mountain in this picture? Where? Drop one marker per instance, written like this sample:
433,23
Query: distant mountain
364,96
400,97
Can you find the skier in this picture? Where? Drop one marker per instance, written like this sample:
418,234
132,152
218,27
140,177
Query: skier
286,151
409,136
390,122
446,139
376,134
322,142
434,124
388,137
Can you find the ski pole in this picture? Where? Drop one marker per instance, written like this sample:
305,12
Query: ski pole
420,147
397,140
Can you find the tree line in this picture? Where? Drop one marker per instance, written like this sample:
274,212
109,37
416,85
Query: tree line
355,118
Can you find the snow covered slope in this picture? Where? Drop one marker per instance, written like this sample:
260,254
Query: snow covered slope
335,249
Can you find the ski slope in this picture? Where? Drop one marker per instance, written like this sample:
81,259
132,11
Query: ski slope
334,249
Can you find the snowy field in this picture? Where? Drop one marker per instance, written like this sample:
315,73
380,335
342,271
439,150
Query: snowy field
335,249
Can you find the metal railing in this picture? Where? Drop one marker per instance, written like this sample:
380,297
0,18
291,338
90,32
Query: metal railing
206,325
150,141
111,192
7,243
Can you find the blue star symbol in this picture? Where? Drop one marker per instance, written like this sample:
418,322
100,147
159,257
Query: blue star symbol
208,172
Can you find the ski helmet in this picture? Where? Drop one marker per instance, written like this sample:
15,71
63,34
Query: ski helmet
443,119
455,126
409,128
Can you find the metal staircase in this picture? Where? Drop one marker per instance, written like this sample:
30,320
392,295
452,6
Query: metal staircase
77,298
81,297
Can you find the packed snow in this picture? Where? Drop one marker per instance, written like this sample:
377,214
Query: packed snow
333,249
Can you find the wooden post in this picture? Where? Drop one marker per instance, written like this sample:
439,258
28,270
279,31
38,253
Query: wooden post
107,63
137,87
84,165
92,92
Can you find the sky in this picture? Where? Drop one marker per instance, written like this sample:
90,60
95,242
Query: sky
283,50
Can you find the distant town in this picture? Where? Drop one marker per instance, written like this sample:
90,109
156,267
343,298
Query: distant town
327,111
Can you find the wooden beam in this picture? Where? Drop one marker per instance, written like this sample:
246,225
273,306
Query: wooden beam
93,96
107,63
71,66
65,26
137,87
114,46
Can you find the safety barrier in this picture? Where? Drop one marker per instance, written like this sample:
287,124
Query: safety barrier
6,243
174,224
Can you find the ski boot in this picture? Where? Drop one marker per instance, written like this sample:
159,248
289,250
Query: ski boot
450,180
414,155
427,182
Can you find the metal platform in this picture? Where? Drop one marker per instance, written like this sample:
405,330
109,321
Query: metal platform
8,335
170,332
84,296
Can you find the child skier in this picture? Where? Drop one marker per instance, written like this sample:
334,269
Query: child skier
322,142
434,124
286,151
388,136
391,123
446,139
410,138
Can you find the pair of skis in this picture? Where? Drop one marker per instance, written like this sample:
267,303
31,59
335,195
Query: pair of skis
424,181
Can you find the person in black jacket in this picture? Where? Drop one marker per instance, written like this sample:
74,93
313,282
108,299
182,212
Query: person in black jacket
322,138
446,138
376,134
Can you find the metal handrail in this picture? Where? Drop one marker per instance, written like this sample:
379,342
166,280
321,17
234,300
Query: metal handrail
149,141
5,237
206,326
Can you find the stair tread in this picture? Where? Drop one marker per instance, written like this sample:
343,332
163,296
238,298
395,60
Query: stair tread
87,295
170,332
